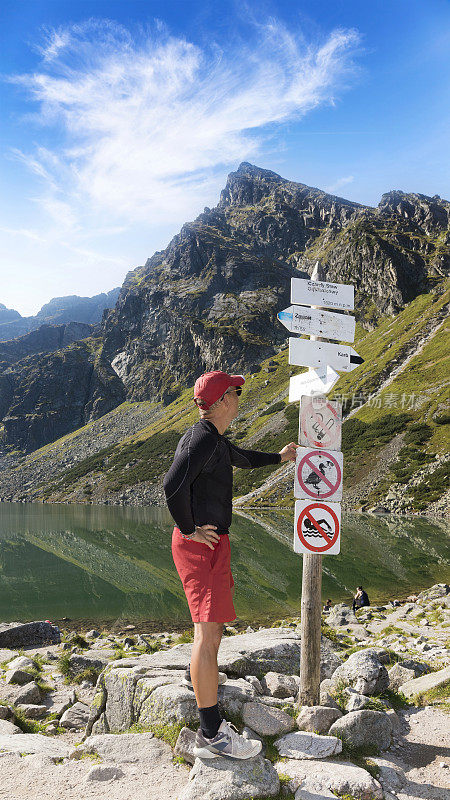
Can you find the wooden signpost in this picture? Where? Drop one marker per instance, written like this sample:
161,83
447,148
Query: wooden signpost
319,464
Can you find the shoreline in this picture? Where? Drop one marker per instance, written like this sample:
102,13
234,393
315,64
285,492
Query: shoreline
237,509
144,627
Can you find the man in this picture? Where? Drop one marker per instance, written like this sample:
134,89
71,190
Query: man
198,488
328,606
360,599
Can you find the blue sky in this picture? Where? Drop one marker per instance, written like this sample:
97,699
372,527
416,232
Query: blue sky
121,120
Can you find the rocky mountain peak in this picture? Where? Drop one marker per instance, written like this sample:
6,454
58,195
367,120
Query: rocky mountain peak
429,213
248,185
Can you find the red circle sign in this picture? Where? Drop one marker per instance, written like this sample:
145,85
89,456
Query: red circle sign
307,513
321,427
333,487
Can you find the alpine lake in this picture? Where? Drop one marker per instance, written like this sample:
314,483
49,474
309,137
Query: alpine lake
108,566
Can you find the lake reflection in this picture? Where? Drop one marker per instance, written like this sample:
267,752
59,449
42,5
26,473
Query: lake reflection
104,563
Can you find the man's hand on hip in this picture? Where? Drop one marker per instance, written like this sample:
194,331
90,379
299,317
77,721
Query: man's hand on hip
206,534
288,453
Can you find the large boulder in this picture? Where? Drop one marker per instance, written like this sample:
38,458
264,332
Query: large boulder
399,674
58,702
21,662
278,685
76,717
29,693
320,777
123,690
266,650
356,701
364,672
8,728
271,649
266,720
18,676
340,616
231,779
166,705
130,748
364,728
185,745
90,659
423,684
317,719
308,745
34,743
233,695
28,634
33,710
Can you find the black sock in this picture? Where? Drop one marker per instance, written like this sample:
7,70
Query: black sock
210,720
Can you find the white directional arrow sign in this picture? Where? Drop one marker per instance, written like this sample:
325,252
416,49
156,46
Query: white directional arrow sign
304,353
314,322
322,293
315,381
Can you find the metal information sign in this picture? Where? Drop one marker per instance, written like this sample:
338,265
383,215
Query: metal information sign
314,322
320,423
318,474
305,353
315,381
317,527
322,293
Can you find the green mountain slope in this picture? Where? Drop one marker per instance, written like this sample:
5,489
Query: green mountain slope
396,430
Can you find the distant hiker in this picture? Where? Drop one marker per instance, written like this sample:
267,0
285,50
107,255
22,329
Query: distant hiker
360,599
328,606
198,488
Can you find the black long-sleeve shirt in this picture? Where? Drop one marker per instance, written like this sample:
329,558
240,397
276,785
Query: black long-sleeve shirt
199,484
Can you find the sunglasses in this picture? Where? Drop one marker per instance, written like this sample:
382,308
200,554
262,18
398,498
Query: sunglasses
237,389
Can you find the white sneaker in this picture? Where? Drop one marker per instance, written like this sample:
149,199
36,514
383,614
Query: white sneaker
227,742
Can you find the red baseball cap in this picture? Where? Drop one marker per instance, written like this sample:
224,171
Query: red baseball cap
210,386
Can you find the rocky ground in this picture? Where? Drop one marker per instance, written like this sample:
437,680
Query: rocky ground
380,730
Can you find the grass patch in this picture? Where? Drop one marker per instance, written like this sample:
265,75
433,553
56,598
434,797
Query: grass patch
338,694
28,725
283,794
64,663
390,630
375,704
273,408
89,674
272,753
94,757
438,694
395,699
357,754
185,637
78,641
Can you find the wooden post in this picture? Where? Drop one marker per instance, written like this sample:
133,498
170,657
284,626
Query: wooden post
311,608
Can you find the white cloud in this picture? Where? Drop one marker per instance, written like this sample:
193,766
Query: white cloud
339,184
147,121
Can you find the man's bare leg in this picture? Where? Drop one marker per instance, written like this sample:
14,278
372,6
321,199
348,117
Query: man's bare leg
204,671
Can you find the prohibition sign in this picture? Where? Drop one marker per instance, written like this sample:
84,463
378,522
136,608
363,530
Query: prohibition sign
319,475
320,427
328,540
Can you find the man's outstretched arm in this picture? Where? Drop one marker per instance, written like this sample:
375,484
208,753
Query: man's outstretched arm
255,458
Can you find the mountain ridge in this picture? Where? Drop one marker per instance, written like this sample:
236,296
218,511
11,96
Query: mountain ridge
210,298
58,311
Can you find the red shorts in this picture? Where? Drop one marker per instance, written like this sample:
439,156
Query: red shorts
206,578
